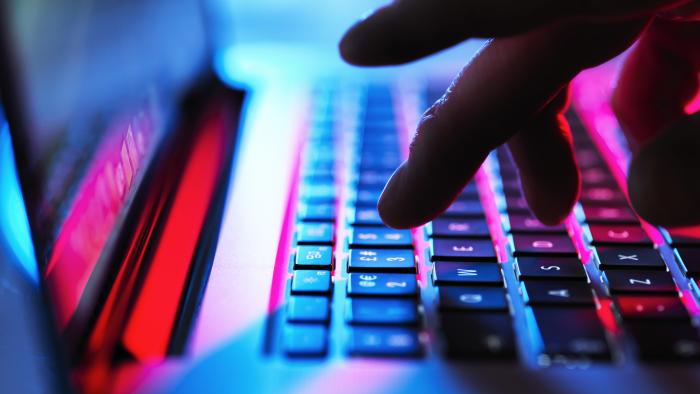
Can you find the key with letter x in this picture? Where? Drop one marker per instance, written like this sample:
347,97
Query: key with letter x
629,258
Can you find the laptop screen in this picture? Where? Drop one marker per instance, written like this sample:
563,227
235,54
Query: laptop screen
89,89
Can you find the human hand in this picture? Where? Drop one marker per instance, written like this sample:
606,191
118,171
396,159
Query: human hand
515,91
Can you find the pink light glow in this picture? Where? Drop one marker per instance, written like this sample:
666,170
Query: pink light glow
694,104
591,91
93,214
493,216
280,274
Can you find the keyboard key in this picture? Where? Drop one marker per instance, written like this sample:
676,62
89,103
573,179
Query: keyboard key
543,244
477,228
381,311
651,308
305,340
608,214
308,309
557,293
366,216
478,335
317,212
522,223
384,342
381,260
373,178
380,237
315,233
484,273
574,333
689,259
470,192
588,157
662,342
639,282
314,257
629,258
379,161
597,176
309,282
618,234
517,205
318,175
472,298
382,285
367,197
607,196
318,193
550,268
511,187
465,209
461,249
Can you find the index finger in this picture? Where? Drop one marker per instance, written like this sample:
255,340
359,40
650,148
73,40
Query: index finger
504,87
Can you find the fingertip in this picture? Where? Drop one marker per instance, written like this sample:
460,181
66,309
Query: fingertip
351,46
642,175
552,203
662,180
371,41
397,205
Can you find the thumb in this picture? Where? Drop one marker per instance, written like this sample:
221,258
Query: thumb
664,176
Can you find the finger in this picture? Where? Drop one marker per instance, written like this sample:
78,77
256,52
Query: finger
544,154
410,29
663,177
504,87
658,80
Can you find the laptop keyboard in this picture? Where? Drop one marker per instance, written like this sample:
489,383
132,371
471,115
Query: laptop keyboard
486,279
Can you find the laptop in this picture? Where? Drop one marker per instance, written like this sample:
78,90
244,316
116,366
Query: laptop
190,206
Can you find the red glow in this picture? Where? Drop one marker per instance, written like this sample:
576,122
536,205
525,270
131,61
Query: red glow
148,331
685,232
607,317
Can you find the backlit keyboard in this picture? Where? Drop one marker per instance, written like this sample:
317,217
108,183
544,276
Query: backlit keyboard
486,279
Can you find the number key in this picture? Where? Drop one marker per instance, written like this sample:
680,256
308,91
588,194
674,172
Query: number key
380,237
381,260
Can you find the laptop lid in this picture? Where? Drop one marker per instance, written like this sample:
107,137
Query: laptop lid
89,90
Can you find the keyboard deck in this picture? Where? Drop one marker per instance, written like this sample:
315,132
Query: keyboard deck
485,280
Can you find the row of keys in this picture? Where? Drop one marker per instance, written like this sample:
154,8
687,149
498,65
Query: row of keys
473,307
553,282
382,308
308,308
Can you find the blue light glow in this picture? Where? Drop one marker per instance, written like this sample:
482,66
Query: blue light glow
14,225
